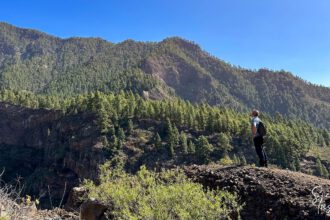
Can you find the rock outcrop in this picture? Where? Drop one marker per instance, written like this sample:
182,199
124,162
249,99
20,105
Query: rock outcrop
269,193
93,210
49,150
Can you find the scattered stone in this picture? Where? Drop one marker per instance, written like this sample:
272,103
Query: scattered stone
267,193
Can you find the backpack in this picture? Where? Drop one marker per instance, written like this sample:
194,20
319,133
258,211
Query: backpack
261,129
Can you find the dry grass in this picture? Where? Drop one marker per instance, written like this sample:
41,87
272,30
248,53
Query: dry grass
11,204
15,207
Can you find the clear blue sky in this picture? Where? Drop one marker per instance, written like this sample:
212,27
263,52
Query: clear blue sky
279,34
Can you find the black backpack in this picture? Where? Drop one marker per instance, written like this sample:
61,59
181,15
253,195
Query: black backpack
261,129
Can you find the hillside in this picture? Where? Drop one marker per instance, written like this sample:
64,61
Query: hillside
53,142
34,61
135,123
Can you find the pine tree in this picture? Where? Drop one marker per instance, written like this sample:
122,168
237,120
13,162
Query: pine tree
171,151
172,137
321,169
130,127
201,120
114,141
326,137
105,141
112,131
157,141
168,127
203,148
183,143
224,143
103,117
121,134
191,147
297,163
119,144
115,119
176,135
210,122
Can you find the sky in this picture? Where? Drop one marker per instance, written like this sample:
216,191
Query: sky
293,35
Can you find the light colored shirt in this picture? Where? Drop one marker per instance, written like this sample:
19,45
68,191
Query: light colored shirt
255,121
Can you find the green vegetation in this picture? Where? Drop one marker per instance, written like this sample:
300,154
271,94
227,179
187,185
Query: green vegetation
43,64
163,195
321,170
186,133
203,148
160,105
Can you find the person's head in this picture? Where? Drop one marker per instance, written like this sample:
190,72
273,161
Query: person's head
255,113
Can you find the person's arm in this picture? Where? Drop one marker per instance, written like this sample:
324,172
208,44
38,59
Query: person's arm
254,130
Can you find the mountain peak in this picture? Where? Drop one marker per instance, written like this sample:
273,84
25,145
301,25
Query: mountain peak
23,33
181,42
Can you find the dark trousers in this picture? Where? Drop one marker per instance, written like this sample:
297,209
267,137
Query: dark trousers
258,142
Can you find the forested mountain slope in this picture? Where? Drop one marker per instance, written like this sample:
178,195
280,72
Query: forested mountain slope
34,61
52,142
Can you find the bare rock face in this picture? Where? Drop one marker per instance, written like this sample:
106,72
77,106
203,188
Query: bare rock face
180,76
88,209
76,198
269,193
49,150
93,210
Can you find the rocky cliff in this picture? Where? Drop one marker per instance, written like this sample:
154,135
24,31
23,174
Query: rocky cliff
50,151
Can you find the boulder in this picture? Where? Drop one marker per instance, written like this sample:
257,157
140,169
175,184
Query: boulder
93,210
76,197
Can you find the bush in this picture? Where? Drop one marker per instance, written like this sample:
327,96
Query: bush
226,160
12,206
163,195
8,202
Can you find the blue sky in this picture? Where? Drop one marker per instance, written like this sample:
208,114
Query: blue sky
278,34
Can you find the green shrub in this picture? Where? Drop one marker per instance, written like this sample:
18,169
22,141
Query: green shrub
226,160
164,195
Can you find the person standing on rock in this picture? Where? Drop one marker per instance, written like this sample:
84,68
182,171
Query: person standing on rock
258,138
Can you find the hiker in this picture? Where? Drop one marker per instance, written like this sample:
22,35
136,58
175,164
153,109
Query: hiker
258,138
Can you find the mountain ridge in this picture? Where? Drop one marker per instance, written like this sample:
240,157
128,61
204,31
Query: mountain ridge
46,64
171,38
